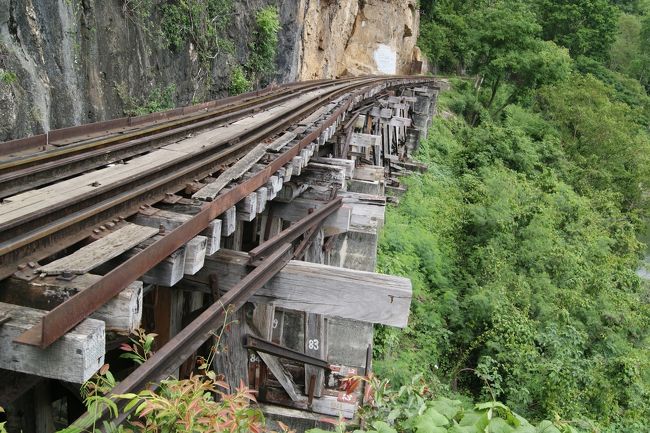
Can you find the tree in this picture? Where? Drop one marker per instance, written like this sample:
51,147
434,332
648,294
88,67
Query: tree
602,135
508,50
585,27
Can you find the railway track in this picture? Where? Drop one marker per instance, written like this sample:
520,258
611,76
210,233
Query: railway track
87,183
76,153
45,222
39,223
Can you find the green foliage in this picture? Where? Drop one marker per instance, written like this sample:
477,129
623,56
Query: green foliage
521,244
585,27
158,99
8,77
201,403
530,281
2,424
203,23
602,135
238,81
140,11
198,404
264,47
414,409
140,348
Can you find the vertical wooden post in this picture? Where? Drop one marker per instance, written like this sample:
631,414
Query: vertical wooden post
231,359
43,412
315,328
315,345
168,313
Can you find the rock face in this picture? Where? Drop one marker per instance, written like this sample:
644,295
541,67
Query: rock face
355,37
68,62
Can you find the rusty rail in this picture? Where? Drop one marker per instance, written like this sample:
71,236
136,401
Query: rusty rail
24,173
107,127
39,234
68,314
164,362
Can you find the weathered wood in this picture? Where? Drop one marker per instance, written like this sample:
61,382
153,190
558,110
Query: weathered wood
366,187
43,411
237,170
316,288
315,341
288,173
348,341
400,121
169,154
121,314
355,250
168,313
330,405
247,208
170,220
297,165
263,317
262,198
231,358
316,346
195,252
291,190
395,191
229,221
325,175
75,357
369,173
166,273
281,141
347,163
101,251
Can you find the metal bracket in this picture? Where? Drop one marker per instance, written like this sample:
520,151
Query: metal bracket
260,345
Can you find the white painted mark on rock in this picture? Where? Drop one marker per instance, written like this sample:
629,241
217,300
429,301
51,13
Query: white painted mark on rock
385,59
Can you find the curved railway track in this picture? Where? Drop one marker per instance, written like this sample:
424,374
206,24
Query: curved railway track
37,224
24,172
36,231
57,197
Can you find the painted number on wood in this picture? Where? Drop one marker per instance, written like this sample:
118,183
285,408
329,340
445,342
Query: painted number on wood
275,323
313,344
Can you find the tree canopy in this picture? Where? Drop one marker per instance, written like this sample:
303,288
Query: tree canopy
522,238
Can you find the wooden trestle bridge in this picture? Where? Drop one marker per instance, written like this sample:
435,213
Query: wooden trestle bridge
260,210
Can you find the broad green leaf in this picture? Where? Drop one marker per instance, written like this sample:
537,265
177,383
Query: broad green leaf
383,427
457,428
527,428
394,414
546,427
491,405
499,425
447,407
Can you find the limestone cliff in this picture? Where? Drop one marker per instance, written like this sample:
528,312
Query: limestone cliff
68,62
353,37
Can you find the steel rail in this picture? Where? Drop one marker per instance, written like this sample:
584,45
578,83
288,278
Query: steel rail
21,174
67,315
94,130
39,234
163,363
292,232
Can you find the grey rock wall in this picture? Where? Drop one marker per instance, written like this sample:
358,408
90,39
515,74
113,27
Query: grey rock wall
69,57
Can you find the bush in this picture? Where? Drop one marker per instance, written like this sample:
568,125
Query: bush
264,47
238,81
